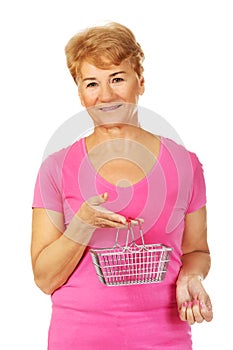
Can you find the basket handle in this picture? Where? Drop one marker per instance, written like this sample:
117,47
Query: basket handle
130,232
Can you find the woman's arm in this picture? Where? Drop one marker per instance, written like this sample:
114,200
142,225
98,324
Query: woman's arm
55,252
193,302
54,256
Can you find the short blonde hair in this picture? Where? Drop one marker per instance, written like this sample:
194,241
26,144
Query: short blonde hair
102,46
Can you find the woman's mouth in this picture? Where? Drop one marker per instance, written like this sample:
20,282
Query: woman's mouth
110,108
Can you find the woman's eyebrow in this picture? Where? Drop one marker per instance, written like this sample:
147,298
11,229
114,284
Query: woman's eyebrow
111,75
120,72
89,78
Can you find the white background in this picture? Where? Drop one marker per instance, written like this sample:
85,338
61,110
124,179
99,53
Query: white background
189,82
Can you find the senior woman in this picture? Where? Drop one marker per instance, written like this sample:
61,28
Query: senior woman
86,191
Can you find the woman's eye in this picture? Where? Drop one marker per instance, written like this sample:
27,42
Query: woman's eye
93,84
117,80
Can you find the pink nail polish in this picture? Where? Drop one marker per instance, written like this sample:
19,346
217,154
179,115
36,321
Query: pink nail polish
184,304
190,304
201,305
195,302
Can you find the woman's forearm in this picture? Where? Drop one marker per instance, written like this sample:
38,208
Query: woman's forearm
57,261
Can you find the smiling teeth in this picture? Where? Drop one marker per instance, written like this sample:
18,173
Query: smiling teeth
110,108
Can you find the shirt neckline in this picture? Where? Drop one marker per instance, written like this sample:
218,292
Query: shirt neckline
109,184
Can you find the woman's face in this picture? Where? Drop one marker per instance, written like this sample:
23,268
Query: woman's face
103,86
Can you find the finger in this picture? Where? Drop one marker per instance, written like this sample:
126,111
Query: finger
182,311
97,200
197,312
106,223
108,215
189,313
103,213
206,310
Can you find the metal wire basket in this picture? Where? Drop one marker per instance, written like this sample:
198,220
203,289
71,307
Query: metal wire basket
131,264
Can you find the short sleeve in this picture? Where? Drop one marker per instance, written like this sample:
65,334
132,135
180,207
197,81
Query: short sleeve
47,191
198,192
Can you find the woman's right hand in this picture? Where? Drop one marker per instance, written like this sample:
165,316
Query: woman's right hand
90,216
94,214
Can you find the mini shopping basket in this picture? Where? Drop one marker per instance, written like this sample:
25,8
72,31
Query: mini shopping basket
131,264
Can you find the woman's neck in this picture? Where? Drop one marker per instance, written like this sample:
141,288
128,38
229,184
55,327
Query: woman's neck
111,132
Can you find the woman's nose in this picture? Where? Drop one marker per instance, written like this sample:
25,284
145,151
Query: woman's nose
106,93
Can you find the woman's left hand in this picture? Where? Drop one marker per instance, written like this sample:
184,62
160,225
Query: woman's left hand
193,302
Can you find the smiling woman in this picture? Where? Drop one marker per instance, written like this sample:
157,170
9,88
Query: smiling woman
117,83
86,191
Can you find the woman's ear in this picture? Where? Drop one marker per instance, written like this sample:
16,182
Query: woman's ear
141,85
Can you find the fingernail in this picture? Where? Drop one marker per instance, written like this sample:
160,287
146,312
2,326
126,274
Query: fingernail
190,304
201,305
195,302
184,304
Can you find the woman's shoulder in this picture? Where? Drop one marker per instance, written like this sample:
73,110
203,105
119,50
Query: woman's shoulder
172,144
180,151
58,157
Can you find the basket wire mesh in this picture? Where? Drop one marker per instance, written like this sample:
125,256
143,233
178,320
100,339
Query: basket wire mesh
131,264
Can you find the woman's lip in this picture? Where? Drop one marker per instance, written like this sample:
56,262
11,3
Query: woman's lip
110,108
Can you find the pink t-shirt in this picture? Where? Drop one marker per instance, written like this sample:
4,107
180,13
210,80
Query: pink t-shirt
88,315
